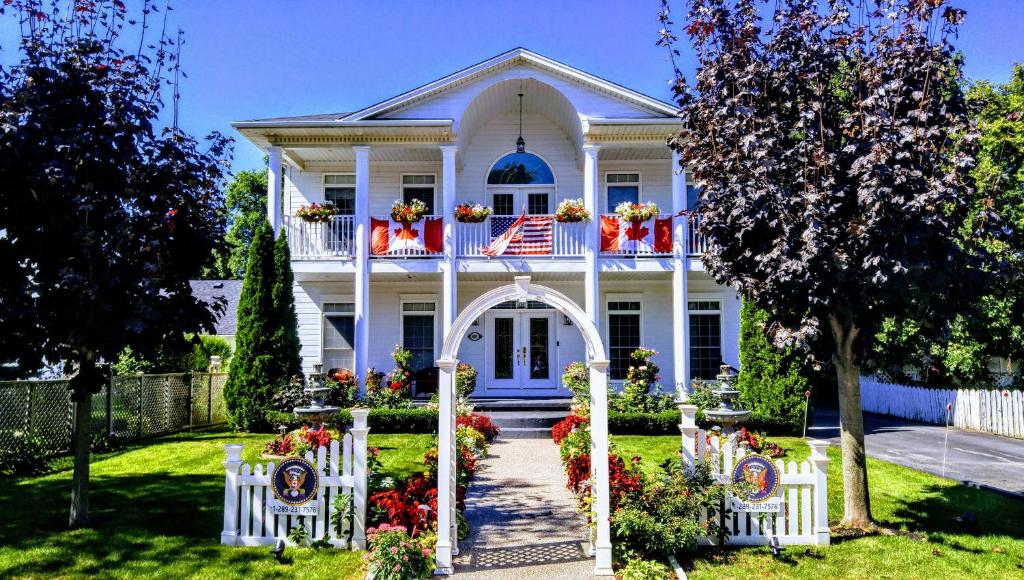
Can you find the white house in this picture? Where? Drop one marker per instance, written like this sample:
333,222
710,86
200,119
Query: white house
362,286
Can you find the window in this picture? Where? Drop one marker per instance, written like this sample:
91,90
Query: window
622,187
341,191
418,333
705,339
339,335
537,203
419,187
692,195
623,335
504,203
520,169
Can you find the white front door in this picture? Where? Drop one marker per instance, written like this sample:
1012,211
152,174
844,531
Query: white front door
521,353
534,200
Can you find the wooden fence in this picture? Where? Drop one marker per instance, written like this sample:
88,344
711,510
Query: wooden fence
248,498
802,490
992,411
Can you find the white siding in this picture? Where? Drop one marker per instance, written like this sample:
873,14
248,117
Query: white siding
655,181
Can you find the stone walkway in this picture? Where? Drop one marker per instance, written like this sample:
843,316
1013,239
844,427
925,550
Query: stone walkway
522,519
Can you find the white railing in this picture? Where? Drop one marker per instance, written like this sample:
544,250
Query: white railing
649,247
416,250
800,501
992,411
250,504
696,244
567,239
334,238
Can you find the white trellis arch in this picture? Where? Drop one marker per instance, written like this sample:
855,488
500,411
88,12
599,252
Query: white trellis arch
522,290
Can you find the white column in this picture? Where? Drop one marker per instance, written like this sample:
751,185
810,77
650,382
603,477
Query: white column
232,463
274,188
593,238
449,267
445,461
360,490
362,274
680,336
599,463
819,457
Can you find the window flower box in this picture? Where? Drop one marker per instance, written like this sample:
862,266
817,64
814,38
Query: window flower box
572,211
636,212
468,213
317,213
408,213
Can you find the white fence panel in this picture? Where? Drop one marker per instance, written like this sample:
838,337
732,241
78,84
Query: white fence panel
249,520
993,411
803,490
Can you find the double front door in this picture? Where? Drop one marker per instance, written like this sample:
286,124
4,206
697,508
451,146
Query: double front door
521,352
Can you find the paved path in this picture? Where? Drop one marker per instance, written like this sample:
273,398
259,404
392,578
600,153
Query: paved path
522,519
973,458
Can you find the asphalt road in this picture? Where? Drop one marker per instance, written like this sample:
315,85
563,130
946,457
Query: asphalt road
972,458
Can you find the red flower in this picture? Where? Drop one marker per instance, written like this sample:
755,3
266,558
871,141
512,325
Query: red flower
562,429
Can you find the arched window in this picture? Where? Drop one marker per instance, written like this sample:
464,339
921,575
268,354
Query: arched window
520,169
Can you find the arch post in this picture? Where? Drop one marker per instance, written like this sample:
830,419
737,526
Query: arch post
446,546
599,463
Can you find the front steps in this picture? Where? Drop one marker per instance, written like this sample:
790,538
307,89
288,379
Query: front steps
523,418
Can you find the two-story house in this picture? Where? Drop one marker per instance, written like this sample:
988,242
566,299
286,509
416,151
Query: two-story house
518,133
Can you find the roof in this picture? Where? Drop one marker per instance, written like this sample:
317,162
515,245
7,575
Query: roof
369,116
209,291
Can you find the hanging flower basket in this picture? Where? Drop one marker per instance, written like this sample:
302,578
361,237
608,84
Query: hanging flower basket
408,213
571,211
469,213
636,212
316,213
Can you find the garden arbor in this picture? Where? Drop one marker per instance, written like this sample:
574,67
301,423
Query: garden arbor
521,290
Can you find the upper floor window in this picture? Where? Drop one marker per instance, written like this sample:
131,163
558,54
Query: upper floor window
419,187
622,187
520,169
341,191
693,195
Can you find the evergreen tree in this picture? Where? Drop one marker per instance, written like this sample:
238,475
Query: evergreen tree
253,376
286,335
772,382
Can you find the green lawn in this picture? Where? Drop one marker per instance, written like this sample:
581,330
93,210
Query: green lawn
157,512
919,507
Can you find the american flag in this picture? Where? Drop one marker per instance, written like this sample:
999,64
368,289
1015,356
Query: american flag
522,236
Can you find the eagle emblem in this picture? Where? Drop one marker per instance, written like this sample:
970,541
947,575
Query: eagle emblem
295,481
760,474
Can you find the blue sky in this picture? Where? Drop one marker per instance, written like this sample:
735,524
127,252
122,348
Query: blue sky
260,58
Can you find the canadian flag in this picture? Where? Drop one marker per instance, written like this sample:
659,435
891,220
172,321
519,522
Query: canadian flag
391,237
652,236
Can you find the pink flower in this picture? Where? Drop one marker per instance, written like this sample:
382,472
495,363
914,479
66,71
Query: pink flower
393,550
398,568
426,552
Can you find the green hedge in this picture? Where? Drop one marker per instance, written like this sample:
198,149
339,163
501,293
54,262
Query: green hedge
414,420
664,423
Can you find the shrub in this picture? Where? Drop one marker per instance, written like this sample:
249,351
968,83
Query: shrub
393,555
576,378
394,390
26,455
481,423
566,426
198,360
344,389
465,379
703,397
410,420
639,569
663,423
771,382
286,323
641,392
472,439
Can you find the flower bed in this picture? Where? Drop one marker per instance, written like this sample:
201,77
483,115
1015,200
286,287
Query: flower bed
316,212
636,212
469,213
572,211
408,213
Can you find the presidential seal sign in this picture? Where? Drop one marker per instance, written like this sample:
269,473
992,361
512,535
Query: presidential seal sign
761,474
295,482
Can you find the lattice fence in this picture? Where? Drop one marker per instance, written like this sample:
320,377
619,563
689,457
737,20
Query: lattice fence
130,407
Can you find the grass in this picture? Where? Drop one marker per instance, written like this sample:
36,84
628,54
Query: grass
157,512
920,539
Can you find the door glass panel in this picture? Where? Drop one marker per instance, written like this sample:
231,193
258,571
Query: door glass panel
504,345
418,339
537,203
504,203
539,367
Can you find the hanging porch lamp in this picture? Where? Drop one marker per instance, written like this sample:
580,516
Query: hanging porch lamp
520,142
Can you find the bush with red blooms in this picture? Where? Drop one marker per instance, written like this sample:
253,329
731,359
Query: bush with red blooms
566,426
624,480
481,423
759,443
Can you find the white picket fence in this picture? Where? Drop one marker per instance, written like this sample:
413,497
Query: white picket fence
248,519
992,411
803,490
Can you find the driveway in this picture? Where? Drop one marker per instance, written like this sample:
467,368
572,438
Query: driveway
973,458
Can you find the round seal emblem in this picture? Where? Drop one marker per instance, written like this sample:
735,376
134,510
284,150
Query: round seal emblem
760,473
295,481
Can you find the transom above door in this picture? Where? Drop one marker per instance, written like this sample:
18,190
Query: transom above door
521,355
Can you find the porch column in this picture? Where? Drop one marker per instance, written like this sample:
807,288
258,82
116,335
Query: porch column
362,274
449,269
680,336
445,467
593,238
274,153
599,463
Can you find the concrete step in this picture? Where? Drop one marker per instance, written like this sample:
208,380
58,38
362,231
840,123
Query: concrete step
525,433
525,419
483,404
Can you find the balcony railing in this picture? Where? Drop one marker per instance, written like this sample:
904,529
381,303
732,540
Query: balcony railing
334,238
696,244
567,239
647,244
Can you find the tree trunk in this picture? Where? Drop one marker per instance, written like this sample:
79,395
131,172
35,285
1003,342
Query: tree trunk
82,386
856,502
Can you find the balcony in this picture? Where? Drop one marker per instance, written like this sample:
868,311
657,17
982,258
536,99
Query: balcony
568,240
331,239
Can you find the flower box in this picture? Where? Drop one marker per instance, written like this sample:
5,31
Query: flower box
408,213
469,213
572,211
636,212
316,213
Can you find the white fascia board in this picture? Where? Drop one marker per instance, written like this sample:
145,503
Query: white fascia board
342,123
